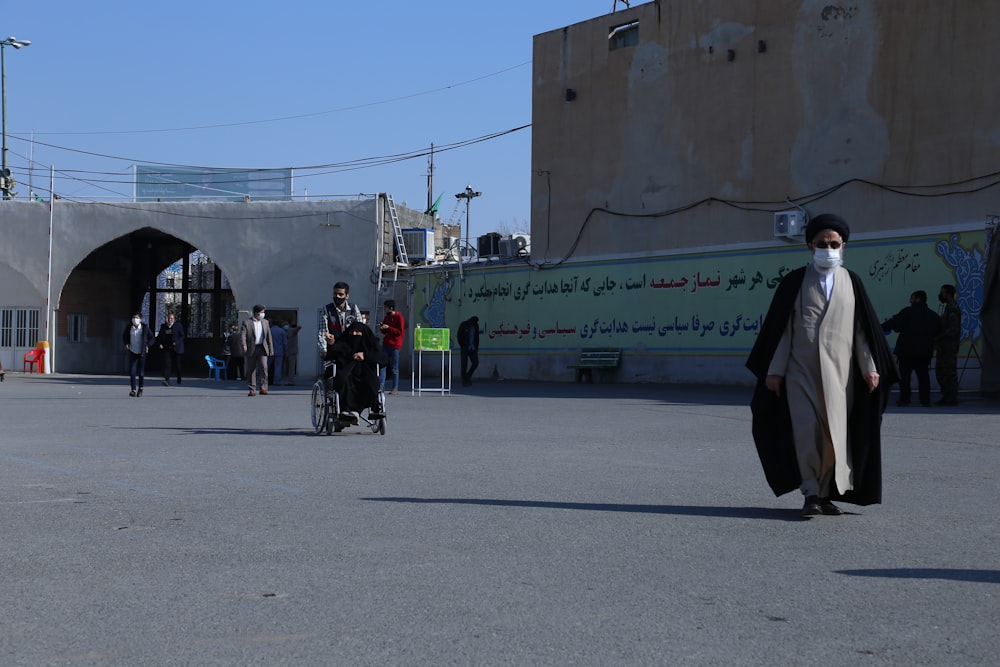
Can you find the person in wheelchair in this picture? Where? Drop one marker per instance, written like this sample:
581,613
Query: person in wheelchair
357,356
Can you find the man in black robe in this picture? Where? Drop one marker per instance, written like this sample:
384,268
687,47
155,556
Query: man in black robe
865,399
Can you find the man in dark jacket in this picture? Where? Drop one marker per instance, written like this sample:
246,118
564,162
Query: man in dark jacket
948,340
468,344
171,341
917,326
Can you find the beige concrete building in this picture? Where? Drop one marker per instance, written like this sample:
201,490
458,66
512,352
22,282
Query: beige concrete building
678,125
666,137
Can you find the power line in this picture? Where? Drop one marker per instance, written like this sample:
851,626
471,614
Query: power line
293,117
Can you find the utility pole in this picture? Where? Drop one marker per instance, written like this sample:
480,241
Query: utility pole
6,180
468,195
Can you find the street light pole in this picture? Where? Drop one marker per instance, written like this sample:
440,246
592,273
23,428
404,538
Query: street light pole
468,195
6,181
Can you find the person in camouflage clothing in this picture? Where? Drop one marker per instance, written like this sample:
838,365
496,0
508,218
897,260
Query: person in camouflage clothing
946,347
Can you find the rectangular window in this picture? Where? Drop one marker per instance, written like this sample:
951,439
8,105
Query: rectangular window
77,328
199,324
623,35
6,327
19,327
26,327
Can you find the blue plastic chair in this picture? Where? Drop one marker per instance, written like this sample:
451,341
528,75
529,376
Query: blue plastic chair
215,366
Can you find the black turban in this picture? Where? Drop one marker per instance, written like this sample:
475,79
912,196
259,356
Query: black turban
827,221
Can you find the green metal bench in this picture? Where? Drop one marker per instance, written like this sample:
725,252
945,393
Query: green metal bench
596,362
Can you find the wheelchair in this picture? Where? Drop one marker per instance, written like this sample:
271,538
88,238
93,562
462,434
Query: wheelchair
327,414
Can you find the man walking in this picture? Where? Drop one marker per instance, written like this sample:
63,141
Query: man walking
824,372
917,326
137,339
257,346
171,341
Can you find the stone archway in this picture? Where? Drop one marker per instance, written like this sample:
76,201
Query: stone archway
151,272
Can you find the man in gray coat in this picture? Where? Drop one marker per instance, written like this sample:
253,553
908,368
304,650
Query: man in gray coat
257,346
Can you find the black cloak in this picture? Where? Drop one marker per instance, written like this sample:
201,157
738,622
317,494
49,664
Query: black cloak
356,380
772,422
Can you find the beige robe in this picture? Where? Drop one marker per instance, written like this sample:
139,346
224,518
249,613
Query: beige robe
817,356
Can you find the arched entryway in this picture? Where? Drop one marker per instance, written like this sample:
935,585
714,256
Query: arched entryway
147,271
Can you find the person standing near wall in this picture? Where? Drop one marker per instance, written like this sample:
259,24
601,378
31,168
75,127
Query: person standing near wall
946,364
137,338
917,326
824,372
291,368
235,369
171,341
468,344
257,346
393,327
276,362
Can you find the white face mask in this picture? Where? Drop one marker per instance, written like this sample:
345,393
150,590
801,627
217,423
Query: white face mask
827,258
136,321
260,316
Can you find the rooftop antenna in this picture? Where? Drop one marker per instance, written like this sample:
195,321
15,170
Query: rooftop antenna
430,179
614,7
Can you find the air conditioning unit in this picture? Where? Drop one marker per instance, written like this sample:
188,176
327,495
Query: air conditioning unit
508,248
419,244
523,244
791,224
518,245
489,245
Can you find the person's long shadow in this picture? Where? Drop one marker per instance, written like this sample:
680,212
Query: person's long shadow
951,574
187,430
768,513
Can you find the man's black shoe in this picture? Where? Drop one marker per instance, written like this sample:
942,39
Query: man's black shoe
811,506
828,508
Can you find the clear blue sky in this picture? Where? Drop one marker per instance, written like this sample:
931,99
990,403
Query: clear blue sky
255,84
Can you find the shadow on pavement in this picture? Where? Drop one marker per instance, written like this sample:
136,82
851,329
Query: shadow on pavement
680,510
668,393
977,576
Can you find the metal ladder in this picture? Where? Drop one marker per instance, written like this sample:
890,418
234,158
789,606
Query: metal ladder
396,232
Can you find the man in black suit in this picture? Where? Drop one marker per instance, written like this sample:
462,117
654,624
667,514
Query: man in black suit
171,341
917,326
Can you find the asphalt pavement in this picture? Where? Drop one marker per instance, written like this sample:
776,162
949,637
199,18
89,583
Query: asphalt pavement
509,523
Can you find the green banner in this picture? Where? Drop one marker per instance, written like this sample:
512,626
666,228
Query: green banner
695,304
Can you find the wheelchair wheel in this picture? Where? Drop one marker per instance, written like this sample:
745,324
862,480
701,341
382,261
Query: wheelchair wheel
333,423
377,425
319,407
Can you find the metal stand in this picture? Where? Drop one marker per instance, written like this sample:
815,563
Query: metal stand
417,373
